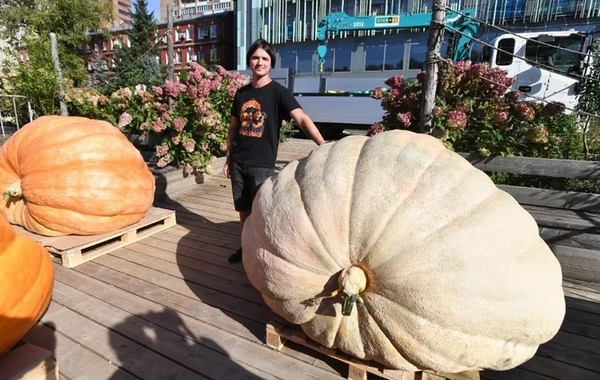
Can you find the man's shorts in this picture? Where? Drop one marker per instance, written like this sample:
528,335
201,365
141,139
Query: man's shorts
245,182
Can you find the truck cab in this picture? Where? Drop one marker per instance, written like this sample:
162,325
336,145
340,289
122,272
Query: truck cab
545,65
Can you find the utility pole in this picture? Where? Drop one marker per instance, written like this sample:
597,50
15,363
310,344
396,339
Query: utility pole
57,70
170,50
434,44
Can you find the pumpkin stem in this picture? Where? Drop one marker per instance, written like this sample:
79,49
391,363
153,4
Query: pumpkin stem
13,191
353,281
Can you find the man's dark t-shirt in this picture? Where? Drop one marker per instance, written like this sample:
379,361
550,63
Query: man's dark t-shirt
260,112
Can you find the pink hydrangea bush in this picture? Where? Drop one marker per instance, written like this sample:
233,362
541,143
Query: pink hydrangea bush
476,112
187,120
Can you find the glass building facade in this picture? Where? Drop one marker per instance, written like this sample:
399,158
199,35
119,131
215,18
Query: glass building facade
291,26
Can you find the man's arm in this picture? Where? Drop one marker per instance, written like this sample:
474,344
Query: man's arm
234,126
306,124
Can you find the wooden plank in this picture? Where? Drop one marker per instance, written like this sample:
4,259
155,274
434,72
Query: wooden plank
548,167
167,272
558,370
203,250
581,328
28,362
573,238
577,341
74,250
166,354
513,374
278,332
567,219
583,290
240,325
141,360
193,261
554,198
189,219
579,301
580,273
583,316
75,361
578,357
199,346
197,232
207,253
239,299
579,263
227,241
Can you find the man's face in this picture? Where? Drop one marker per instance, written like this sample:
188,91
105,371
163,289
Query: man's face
260,63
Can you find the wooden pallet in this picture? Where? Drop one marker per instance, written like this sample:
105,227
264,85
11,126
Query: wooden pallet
279,331
28,362
73,250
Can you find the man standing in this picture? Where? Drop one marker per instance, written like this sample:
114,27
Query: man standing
253,139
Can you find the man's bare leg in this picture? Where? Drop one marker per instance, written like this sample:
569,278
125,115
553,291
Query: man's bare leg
237,256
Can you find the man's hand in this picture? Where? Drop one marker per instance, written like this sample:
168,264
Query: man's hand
226,170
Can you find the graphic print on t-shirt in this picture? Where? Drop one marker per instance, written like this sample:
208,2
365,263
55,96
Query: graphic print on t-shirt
252,119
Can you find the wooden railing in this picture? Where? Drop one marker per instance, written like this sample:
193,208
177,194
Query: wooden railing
569,221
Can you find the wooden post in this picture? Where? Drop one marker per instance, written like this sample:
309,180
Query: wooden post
170,50
434,44
57,70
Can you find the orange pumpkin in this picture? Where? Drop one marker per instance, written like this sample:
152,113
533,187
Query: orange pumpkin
65,175
26,282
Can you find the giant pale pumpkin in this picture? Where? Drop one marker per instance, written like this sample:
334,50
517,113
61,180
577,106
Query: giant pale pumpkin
26,283
70,175
396,249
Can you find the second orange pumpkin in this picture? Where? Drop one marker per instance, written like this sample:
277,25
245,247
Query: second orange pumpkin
71,175
26,283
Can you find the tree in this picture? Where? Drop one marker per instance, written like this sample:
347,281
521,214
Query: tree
136,64
589,99
27,26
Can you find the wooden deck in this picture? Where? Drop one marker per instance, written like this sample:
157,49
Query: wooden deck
170,306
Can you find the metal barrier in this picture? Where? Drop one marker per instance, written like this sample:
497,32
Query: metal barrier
16,114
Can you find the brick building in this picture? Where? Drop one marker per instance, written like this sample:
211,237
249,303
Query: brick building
208,39
122,14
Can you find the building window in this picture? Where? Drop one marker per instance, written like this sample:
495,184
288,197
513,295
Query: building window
287,58
178,57
394,55
202,32
214,56
374,55
189,12
305,60
329,57
213,31
417,55
191,57
506,49
188,34
343,57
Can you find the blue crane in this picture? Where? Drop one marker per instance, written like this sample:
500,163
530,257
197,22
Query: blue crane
461,29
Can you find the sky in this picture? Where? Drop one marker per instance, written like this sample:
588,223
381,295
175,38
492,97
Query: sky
154,6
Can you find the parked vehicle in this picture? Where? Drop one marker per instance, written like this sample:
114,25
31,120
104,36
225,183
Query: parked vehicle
548,65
